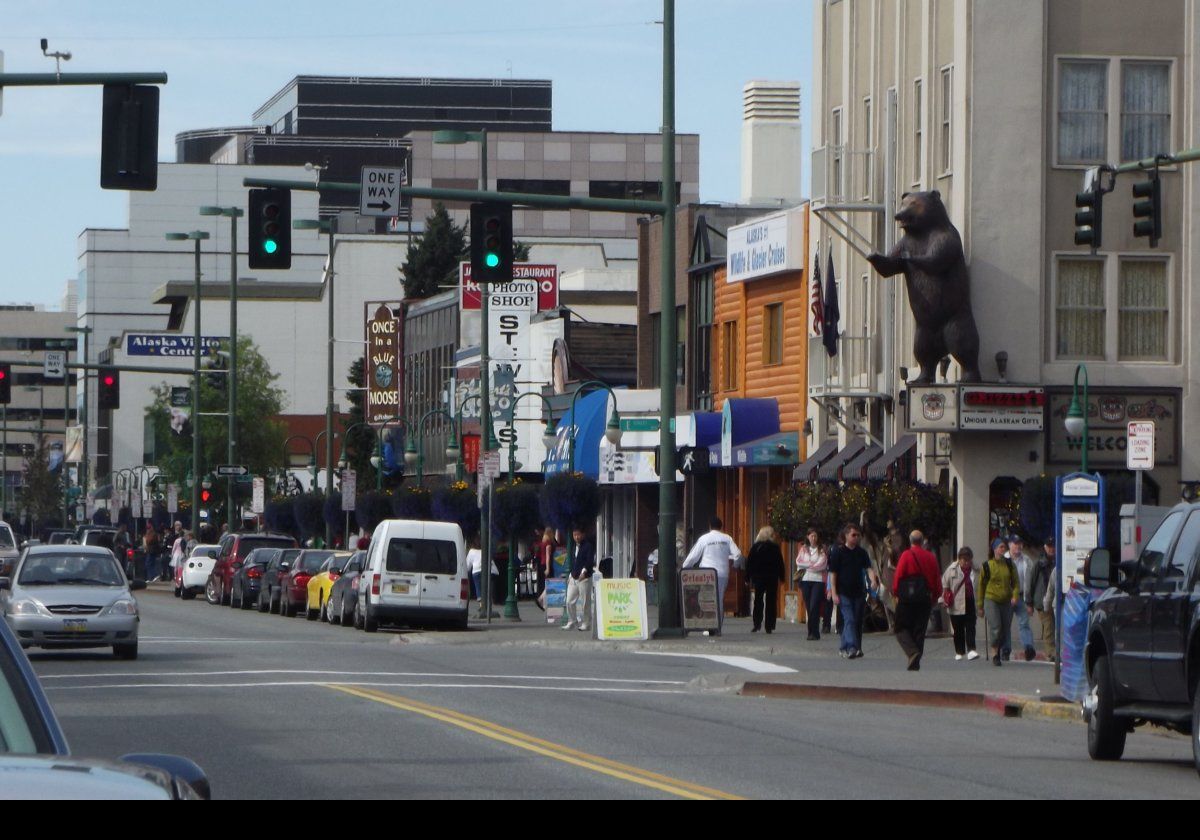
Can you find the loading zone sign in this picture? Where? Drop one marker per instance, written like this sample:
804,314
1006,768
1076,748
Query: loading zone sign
379,193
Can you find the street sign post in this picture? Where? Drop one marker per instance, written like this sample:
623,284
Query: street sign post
258,495
54,365
172,499
225,470
379,193
1139,457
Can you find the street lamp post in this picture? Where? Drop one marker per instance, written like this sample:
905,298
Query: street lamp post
377,458
1077,418
414,453
233,214
196,236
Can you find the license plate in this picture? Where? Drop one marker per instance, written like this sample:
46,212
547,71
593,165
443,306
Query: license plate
400,588
75,625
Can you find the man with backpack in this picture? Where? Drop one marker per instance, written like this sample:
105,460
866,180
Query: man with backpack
916,585
1000,588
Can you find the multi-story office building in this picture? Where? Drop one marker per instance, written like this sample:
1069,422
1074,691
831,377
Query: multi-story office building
1002,107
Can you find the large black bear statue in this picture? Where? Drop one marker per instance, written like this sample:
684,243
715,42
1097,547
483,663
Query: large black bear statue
930,255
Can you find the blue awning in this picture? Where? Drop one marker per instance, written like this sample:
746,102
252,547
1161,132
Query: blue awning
592,411
708,427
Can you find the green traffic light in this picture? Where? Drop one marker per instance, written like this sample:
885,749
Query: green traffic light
270,246
492,260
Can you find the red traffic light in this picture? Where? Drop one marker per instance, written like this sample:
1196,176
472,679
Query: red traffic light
205,496
108,380
3,373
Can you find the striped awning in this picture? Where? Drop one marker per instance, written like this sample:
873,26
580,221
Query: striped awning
898,462
808,470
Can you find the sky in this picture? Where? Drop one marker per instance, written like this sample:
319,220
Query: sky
224,59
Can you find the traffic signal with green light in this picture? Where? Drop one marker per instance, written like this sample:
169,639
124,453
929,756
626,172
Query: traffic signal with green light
1147,213
109,389
1089,217
5,384
491,242
269,222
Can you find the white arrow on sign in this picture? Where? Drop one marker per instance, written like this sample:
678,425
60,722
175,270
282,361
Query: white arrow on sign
232,469
54,365
379,193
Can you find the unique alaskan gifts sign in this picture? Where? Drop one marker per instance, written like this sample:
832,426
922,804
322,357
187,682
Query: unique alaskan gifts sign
385,370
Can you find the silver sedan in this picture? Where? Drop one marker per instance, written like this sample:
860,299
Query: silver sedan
73,596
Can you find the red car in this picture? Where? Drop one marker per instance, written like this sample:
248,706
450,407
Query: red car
295,585
235,548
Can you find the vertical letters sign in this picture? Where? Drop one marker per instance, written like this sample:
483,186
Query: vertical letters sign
384,371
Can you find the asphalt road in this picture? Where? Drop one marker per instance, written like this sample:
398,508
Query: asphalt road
283,708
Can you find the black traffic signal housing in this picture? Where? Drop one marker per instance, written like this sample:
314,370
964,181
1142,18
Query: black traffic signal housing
491,242
1147,213
217,374
129,138
108,389
205,495
269,222
1089,217
5,384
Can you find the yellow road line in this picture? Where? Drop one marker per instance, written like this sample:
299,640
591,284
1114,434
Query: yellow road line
524,741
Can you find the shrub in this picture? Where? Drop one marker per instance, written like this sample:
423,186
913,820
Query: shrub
456,503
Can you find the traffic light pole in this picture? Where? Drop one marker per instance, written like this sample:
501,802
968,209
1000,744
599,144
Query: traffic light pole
232,380
329,383
66,420
196,350
486,435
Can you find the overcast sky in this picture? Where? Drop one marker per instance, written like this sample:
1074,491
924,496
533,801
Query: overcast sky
225,58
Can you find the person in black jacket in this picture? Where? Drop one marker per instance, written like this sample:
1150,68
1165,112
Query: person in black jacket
764,567
579,585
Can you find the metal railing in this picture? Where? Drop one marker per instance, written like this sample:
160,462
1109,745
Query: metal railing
841,175
852,372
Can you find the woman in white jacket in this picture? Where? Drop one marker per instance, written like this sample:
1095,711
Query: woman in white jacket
812,569
959,584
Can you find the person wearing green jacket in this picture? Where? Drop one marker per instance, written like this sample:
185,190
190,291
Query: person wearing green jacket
1000,589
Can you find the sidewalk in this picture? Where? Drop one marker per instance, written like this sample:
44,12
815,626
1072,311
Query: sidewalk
1017,688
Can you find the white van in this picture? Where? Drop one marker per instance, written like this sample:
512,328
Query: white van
416,573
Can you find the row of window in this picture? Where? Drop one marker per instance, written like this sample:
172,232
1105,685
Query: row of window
638,190
1113,309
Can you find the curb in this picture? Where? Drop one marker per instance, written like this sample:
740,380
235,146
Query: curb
1005,705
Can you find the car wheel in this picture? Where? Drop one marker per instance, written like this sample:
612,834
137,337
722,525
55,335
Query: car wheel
310,614
262,605
358,621
177,592
187,594
370,623
285,605
234,603
126,651
211,593
275,605
1196,729
331,615
1106,734
243,603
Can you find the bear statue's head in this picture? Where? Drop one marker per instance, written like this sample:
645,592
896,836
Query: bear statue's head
922,211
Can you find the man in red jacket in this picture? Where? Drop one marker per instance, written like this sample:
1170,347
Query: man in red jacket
917,585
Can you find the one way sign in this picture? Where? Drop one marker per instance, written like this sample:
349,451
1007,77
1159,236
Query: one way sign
379,194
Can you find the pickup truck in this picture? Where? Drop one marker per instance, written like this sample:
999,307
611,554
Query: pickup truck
1143,643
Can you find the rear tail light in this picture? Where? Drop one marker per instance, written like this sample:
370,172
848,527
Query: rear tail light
464,590
254,573
129,553
375,584
334,575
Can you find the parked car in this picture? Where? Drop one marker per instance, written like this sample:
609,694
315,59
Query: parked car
72,597
235,548
9,552
270,593
36,763
415,573
294,586
320,584
339,606
247,581
59,536
1143,643
191,575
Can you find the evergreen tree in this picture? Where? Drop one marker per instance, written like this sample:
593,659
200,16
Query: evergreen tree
432,260
43,494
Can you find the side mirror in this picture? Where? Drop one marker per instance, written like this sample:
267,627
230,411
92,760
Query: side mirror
1098,570
5,583
135,585
285,567
183,772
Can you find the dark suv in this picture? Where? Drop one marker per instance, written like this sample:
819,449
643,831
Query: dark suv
1143,644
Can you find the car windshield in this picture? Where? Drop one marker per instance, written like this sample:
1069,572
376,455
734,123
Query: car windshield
204,550
103,539
6,538
70,570
288,555
248,544
311,561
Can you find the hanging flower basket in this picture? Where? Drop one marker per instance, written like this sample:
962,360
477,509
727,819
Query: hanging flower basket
412,503
457,504
570,500
371,509
309,511
279,515
516,509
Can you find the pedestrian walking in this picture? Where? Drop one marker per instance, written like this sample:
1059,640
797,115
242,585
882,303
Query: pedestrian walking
150,546
958,594
1025,566
812,573
849,566
916,586
1040,596
1000,593
716,550
475,566
764,567
579,584
544,560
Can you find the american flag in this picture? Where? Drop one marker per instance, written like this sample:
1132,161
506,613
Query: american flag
818,306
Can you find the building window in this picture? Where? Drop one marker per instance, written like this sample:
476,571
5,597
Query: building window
655,350
868,173
1082,111
1143,317
835,133
1079,305
918,132
642,190
535,186
772,350
729,355
1145,109
947,105
702,306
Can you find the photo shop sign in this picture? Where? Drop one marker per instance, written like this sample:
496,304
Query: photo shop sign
385,367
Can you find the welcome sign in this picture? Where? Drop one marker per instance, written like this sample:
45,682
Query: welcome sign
766,246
